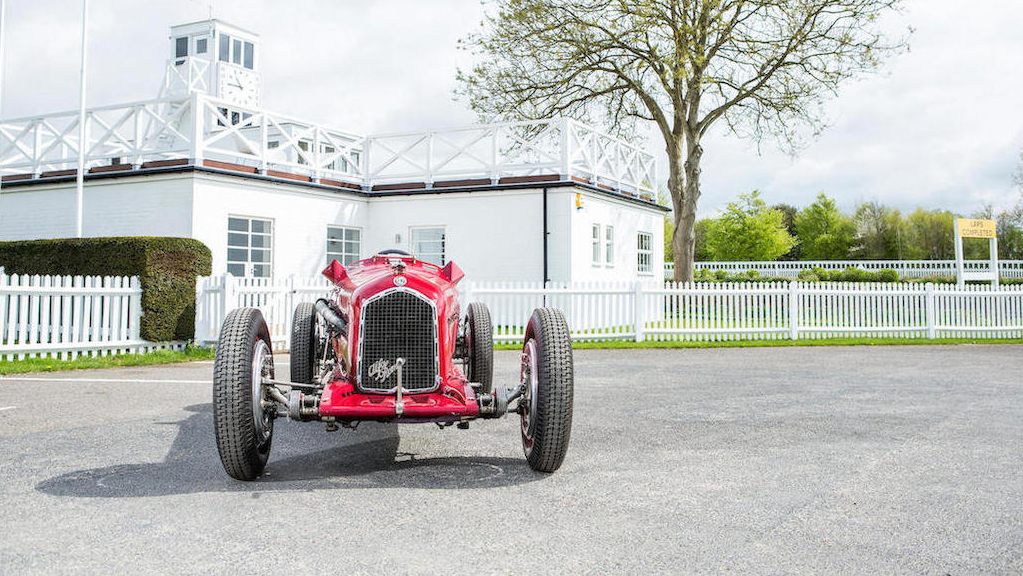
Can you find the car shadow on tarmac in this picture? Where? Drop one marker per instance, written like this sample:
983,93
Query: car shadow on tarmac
303,458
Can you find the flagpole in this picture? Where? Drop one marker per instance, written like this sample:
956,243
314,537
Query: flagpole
82,145
3,40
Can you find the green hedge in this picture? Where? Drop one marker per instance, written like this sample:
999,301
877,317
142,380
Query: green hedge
816,274
166,267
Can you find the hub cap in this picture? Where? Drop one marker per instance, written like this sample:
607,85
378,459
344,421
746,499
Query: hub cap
529,397
264,410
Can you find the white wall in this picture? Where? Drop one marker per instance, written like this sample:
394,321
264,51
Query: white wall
157,205
627,218
490,235
300,217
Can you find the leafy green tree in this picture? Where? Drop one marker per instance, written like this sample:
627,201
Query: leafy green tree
823,231
788,218
702,226
757,68
748,230
929,235
878,232
669,231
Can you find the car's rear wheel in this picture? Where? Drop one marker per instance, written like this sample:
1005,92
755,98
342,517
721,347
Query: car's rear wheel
479,343
303,343
243,412
546,404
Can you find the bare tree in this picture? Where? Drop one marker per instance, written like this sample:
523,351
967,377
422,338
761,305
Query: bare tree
759,67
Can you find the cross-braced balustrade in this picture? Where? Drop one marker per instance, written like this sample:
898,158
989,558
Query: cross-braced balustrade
200,129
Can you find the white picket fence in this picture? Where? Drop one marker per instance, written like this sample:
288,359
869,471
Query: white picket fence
68,316
276,299
691,312
905,268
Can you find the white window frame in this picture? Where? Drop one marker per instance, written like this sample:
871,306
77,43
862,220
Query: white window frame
444,242
595,241
248,263
609,246
345,258
648,269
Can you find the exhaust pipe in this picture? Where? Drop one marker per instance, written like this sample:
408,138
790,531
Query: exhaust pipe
335,323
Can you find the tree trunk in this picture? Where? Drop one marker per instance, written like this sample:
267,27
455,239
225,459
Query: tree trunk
684,185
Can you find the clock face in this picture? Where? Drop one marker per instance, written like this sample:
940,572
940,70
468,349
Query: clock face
239,86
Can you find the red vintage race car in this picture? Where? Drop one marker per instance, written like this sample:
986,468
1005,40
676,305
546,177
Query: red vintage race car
388,344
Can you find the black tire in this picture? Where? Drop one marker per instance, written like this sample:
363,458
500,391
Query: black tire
546,418
244,446
479,336
303,343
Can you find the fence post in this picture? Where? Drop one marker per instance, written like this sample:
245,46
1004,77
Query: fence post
930,301
135,310
228,296
794,310
639,312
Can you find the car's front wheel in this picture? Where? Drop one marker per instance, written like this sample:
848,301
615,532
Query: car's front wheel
546,404
479,343
243,412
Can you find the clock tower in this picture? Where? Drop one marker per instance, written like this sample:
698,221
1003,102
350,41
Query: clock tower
215,57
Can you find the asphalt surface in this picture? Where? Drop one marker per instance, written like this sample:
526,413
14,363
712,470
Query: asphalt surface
769,460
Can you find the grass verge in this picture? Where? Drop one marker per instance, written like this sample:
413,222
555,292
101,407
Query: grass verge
625,344
189,354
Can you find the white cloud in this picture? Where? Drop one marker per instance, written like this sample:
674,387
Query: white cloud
942,127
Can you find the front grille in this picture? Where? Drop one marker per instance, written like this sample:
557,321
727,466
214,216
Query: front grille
398,324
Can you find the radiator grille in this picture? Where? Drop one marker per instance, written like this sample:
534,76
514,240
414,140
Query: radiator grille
398,324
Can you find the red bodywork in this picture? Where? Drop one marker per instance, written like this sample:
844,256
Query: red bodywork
454,398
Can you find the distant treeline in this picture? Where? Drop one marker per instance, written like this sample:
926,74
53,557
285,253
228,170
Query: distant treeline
750,229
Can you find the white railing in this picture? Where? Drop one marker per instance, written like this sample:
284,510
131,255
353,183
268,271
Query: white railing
905,268
65,316
276,298
198,127
560,147
702,311
129,134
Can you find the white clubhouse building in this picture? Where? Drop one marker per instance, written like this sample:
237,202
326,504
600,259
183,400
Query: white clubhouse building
274,196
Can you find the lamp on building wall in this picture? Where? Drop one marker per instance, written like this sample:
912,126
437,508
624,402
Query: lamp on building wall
578,201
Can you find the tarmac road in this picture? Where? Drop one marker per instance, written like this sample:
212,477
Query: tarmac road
764,460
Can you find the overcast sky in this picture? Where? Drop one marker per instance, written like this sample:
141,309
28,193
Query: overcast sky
942,127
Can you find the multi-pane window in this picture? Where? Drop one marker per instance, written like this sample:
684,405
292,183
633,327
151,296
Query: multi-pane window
644,253
428,244
249,246
200,46
343,244
180,49
609,246
595,244
237,51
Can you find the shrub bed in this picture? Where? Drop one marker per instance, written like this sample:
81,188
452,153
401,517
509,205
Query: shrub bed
816,274
166,267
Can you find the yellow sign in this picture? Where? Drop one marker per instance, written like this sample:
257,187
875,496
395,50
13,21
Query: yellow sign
973,228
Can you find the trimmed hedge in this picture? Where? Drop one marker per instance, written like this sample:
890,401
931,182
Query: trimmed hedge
817,274
166,267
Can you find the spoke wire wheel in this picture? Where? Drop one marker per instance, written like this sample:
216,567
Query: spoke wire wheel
529,377
264,410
